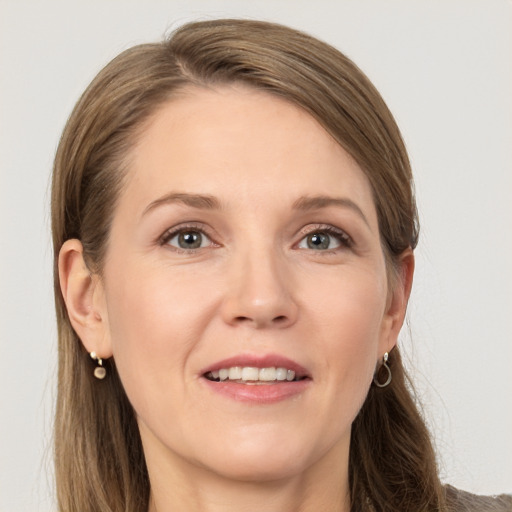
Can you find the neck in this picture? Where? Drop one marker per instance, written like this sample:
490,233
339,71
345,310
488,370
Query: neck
184,486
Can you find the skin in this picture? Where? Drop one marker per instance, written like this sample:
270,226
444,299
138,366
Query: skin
255,286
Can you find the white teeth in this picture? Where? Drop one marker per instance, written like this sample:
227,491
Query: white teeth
235,373
250,373
267,374
281,373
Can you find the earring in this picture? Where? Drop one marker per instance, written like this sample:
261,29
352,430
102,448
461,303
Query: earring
385,365
99,371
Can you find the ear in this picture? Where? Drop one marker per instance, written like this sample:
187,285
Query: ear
84,296
398,298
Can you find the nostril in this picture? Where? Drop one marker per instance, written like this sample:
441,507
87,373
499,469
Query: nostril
278,320
242,319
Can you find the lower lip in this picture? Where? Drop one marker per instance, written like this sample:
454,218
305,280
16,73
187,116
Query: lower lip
259,393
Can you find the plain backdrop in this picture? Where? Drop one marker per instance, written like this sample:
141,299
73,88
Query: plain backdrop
445,69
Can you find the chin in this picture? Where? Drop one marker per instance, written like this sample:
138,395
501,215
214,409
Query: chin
261,470
260,459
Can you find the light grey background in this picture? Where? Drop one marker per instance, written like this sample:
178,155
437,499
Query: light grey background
445,69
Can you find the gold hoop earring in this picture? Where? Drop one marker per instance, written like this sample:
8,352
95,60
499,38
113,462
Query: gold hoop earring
385,365
99,371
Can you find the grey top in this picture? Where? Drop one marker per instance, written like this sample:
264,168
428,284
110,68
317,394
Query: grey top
462,501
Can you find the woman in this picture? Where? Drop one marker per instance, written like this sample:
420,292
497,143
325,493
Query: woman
234,226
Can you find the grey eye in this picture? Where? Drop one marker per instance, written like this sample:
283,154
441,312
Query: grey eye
319,241
189,239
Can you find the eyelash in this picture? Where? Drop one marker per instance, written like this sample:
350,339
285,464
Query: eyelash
343,238
340,235
171,233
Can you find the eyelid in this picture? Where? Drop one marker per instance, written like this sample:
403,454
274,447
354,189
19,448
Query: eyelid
344,238
170,233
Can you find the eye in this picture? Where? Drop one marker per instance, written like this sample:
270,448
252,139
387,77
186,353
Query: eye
319,241
325,239
187,239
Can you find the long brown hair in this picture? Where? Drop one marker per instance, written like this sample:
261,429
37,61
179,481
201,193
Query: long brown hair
98,453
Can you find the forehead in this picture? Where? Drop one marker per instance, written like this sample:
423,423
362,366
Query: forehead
240,144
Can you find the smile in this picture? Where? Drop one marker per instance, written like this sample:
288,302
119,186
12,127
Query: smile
252,375
257,378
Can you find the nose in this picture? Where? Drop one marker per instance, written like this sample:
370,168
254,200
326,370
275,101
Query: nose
259,293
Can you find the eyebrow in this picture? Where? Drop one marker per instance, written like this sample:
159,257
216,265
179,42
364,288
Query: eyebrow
306,203
201,201
208,202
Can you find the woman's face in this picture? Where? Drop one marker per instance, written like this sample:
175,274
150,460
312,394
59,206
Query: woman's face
245,244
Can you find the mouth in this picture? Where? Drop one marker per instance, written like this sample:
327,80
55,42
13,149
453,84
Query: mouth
254,375
263,379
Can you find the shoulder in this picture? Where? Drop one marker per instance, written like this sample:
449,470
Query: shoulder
462,501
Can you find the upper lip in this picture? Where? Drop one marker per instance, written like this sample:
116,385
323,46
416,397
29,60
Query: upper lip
258,361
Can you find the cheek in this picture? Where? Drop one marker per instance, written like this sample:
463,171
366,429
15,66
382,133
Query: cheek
349,316
350,306
151,306
155,320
